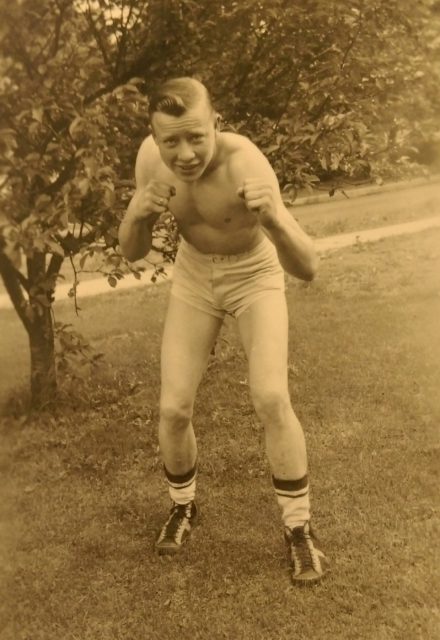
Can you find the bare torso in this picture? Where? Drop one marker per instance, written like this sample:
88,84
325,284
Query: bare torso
209,213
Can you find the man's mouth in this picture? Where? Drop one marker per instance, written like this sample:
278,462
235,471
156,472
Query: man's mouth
188,168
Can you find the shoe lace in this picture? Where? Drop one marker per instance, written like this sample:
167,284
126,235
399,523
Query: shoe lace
302,549
176,520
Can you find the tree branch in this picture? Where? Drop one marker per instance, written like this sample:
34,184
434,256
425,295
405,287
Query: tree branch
75,284
36,269
72,245
54,265
22,279
289,96
354,38
122,43
58,25
22,55
258,52
12,283
97,35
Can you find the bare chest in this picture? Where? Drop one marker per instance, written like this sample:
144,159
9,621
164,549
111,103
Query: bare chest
217,205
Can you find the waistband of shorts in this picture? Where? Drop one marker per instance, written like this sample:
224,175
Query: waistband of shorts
223,257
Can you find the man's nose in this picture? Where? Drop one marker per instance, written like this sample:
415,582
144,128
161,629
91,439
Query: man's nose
186,152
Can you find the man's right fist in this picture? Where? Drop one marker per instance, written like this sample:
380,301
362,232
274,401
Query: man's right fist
153,199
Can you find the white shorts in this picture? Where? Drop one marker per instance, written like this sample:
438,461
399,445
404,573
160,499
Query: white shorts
226,284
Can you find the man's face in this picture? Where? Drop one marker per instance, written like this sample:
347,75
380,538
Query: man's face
186,143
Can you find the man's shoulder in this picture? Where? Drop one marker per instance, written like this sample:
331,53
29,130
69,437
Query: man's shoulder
243,156
149,164
148,151
236,143
239,150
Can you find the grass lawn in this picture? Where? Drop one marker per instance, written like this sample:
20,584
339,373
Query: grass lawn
376,210
83,492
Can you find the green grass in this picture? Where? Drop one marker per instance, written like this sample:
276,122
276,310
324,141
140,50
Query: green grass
84,495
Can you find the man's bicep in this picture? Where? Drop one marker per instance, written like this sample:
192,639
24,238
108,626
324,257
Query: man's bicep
250,164
145,162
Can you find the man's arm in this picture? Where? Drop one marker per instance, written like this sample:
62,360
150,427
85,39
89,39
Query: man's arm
295,248
148,202
259,188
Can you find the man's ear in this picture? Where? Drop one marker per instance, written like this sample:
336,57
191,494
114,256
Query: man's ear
217,121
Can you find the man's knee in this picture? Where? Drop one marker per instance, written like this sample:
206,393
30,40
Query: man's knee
271,403
175,414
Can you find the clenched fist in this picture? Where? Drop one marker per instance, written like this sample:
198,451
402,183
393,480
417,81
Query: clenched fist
152,200
260,199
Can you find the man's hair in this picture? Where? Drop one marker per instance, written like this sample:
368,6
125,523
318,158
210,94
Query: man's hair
174,97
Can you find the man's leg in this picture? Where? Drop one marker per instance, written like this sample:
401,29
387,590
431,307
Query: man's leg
263,329
264,332
189,335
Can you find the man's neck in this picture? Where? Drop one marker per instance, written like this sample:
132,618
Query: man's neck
216,160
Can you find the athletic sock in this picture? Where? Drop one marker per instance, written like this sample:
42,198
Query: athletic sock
293,499
182,487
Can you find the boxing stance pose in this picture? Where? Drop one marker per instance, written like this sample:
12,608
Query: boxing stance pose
237,240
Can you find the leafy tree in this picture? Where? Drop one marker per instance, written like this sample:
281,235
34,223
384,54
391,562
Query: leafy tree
72,118
327,88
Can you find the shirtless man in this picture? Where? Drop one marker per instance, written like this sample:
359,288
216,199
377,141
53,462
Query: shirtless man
237,237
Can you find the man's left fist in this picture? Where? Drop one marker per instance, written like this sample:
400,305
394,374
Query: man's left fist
260,200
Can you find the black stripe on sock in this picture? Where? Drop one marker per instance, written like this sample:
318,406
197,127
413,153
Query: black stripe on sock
291,485
290,495
179,485
183,478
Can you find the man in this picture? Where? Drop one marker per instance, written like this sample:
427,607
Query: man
237,237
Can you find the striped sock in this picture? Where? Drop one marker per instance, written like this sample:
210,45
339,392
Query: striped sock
182,487
293,499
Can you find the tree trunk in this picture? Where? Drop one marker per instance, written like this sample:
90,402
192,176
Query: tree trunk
43,370
41,334
36,316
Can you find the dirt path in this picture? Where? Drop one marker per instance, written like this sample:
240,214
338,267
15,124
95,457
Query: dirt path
332,243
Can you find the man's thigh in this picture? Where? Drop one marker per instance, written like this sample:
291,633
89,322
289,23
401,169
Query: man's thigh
263,329
188,337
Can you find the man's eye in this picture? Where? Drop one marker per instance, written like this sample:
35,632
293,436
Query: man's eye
197,138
